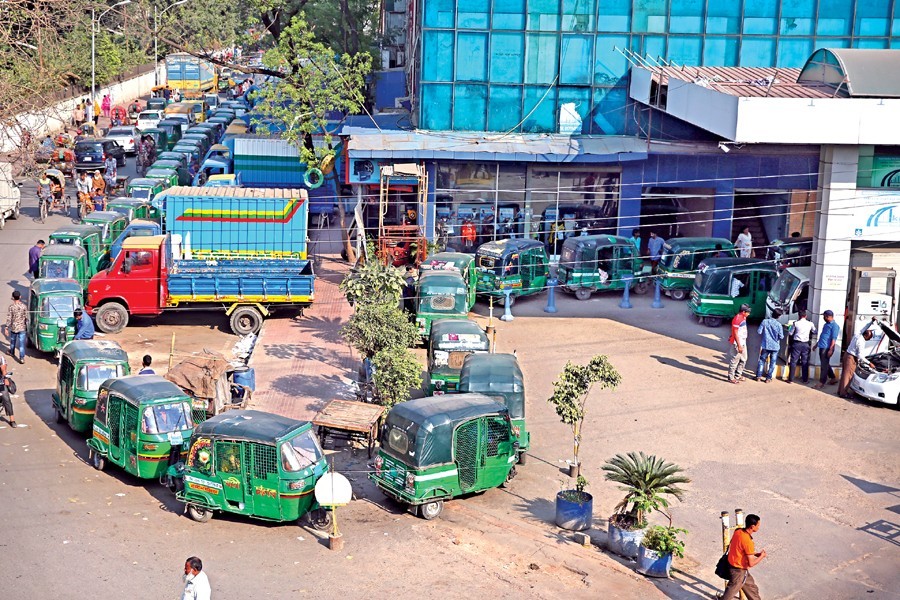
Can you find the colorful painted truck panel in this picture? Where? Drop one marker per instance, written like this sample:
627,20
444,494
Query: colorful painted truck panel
189,73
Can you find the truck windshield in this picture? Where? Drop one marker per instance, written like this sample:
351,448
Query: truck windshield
57,269
91,376
300,452
166,418
784,288
59,307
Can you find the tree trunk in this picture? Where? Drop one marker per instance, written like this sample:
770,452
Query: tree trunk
352,45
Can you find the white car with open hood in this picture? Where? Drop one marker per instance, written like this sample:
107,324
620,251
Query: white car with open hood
877,377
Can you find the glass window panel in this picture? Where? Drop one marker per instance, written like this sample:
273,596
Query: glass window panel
874,43
895,24
578,15
472,14
469,107
792,53
760,16
577,99
543,15
440,13
509,14
507,54
835,17
539,110
471,57
873,18
608,111
614,15
723,17
720,51
437,100
437,48
797,17
686,16
685,50
650,16
610,65
757,52
832,42
540,58
895,43
654,46
505,110
576,57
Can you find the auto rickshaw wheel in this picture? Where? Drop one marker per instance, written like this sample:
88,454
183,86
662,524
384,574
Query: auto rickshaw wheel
679,295
111,317
198,513
523,458
712,321
98,460
641,288
246,320
59,416
509,477
320,519
431,510
583,293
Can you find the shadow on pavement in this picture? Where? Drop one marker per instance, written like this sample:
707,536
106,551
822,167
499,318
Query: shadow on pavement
883,530
719,372
686,587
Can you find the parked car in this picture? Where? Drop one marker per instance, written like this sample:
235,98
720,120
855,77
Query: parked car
877,377
125,136
90,154
149,119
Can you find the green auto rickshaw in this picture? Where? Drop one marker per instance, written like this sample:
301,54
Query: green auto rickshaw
463,263
440,295
181,171
83,366
193,149
111,224
141,424
439,447
159,136
515,264
450,342
591,263
169,177
144,189
678,265
253,463
499,375
88,237
131,208
51,306
722,285
62,261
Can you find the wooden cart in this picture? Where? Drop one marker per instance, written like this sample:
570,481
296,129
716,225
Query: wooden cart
350,420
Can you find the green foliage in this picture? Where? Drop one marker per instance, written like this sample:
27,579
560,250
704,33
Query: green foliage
647,480
396,372
664,540
375,327
581,483
579,495
572,388
374,283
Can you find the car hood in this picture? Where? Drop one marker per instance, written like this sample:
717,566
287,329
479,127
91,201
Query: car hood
890,332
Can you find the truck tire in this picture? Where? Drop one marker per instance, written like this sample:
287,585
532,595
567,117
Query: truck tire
246,320
111,317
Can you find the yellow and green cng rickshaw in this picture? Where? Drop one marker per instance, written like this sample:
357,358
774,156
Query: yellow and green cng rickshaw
83,366
51,306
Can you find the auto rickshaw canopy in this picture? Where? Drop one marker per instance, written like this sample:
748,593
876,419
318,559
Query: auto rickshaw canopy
429,424
714,274
78,350
145,389
80,231
686,253
495,375
434,285
250,425
447,260
462,334
505,248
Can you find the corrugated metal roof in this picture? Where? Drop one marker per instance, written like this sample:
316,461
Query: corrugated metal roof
745,82
857,72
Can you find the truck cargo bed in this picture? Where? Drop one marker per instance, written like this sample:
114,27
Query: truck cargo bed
281,281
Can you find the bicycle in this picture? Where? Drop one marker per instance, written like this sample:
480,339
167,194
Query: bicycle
44,200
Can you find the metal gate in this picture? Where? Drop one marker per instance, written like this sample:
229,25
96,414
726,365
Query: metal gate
466,451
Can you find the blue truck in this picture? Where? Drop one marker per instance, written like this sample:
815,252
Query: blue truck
148,278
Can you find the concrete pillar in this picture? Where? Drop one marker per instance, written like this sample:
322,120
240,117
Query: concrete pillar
630,190
831,248
723,209
430,216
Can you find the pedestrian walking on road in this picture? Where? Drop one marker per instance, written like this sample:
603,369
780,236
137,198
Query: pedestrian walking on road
655,246
742,556
771,333
146,362
737,355
196,583
105,105
34,254
855,352
826,345
96,112
801,334
744,243
84,326
5,400
16,322
409,292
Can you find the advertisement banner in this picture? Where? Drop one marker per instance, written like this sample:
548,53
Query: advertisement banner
886,172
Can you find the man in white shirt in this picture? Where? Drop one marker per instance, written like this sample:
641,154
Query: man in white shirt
801,335
854,353
196,584
744,243
736,285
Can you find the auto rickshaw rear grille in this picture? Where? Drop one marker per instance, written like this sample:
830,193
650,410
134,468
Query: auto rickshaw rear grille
466,451
442,302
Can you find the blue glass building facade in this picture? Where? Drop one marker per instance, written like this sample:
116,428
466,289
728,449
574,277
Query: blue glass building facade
513,65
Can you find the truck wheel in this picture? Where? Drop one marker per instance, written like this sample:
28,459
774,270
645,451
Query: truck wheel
583,293
679,295
111,317
246,320
198,513
712,321
431,510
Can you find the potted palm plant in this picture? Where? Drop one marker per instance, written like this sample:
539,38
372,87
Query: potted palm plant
657,548
647,482
575,508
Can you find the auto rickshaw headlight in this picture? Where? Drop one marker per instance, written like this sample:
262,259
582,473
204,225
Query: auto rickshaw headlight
296,485
80,401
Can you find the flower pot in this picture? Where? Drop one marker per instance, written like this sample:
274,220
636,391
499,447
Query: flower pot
624,542
574,515
652,563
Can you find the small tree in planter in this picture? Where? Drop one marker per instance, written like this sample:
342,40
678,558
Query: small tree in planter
658,547
571,391
575,508
647,481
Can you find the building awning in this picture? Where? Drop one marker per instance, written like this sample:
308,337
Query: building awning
457,145
854,72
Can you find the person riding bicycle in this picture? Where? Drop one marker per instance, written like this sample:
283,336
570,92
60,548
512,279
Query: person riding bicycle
44,191
98,191
84,186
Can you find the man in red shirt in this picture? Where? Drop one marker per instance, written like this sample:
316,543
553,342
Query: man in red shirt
737,353
742,556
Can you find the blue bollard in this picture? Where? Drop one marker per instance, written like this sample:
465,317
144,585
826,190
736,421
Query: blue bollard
551,295
625,303
657,303
507,313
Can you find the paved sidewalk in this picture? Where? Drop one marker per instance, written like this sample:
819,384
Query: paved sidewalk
302,363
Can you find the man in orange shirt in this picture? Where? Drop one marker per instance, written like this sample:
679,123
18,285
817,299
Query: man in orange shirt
468,234
742,556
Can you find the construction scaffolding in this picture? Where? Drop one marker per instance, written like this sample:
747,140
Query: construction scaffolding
403,244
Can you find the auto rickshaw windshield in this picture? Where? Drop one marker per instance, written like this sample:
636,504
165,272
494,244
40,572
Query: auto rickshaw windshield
166,418
57,269
570,255
785,287
490,263
90,377
59,307
140,193
300,452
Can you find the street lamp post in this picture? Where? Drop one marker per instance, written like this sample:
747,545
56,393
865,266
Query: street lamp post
156,16
95,23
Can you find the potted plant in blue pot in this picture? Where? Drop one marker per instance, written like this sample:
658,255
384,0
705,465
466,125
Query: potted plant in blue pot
647,481
657,548
575,508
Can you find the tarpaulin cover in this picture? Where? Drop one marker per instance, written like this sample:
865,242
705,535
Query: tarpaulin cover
204,376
